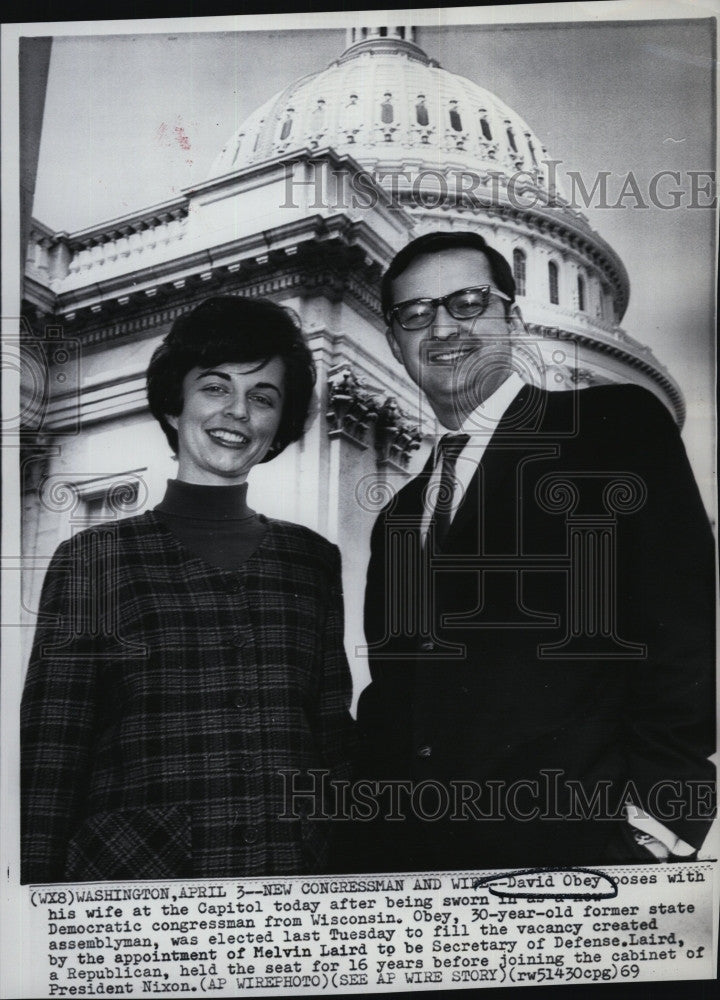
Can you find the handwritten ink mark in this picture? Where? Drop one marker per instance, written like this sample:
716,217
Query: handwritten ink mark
550,883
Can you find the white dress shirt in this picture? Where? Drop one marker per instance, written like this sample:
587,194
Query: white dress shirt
480,425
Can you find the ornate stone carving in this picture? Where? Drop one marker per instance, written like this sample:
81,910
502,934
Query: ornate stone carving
395,438
351,408
420,134
455,140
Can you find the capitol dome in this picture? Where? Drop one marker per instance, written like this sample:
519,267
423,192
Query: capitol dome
384,101
452,155
434,150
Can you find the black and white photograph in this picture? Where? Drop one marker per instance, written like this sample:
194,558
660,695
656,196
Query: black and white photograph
359,501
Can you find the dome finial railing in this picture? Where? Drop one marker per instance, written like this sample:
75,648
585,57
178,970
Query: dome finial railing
363,33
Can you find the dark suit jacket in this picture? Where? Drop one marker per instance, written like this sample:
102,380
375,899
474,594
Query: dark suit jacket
163,699
567,655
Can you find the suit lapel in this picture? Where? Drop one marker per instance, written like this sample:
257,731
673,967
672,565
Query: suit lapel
410,500
515,432
509,442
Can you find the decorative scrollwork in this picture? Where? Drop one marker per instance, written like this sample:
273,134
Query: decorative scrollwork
58,494
103,498
33,386
604,494
556,494
126,496
373,493
439,497
625,494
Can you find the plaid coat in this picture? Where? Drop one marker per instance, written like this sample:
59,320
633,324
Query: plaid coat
164,698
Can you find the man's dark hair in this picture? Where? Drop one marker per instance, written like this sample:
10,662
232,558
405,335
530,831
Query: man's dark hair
226,329
436,243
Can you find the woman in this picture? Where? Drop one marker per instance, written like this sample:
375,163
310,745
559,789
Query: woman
188,668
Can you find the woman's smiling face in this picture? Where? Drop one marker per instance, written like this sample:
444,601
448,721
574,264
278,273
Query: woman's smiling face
230,416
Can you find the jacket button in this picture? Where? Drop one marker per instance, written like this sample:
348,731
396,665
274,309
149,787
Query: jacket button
427,647
240,700
250,836
247,764
424,751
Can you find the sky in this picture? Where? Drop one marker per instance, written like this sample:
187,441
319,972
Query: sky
132,120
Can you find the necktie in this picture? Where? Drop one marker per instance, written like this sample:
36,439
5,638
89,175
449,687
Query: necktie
449,449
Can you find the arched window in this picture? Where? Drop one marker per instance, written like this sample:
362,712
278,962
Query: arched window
581,293
386,109
519,271
287,124
553,283
606,308
511,139
455,121
238,147
485,126
421,111
531,148
318,115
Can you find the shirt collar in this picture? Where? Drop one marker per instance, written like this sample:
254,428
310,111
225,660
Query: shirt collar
205,503
485,418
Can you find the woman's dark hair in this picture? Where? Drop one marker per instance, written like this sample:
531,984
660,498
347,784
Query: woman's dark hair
437,242
226,329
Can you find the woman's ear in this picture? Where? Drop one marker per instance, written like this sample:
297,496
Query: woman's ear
173,421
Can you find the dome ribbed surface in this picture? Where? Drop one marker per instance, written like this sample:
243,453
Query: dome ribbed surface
385,102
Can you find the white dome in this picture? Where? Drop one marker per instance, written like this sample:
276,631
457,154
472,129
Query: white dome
452,155
386,103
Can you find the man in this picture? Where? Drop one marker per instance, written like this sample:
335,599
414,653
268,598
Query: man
539,605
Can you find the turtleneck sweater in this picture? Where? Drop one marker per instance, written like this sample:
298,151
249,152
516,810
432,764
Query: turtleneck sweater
213,522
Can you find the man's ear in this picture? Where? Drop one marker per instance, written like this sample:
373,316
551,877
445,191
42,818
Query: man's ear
393,345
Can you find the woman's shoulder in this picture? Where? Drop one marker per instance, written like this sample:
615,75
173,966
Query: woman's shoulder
302,539
137,530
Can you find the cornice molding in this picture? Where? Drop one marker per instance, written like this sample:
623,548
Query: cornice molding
300,240
337,266
661,378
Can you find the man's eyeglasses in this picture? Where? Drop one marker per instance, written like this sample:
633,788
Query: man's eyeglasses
467,303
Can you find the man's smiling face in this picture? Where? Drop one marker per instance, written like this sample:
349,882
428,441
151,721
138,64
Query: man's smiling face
457,363
230,416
